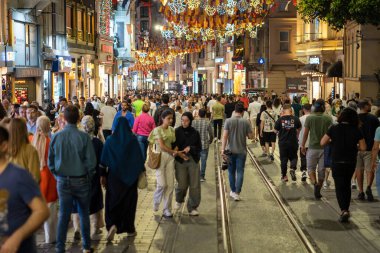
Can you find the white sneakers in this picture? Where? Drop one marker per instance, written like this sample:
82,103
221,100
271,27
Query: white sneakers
168,214
194,212
235,196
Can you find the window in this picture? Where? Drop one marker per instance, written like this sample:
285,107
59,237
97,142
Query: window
144,25
79,18
144,12
284,41
316,29
201,54
90,29
69,23
120,34
283,5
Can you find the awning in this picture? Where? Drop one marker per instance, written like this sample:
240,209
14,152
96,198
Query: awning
309,68
335,70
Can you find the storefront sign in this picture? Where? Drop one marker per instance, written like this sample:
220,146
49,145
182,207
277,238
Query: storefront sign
107,49
28,72
239,67
219,60
62,64
314,60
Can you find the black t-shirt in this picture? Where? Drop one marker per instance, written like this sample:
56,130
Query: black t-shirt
228,109
287,130
369,124
344,143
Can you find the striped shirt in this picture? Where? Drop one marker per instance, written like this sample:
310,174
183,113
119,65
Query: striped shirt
203,126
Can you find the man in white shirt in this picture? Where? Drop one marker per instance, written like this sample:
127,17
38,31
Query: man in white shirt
153,106
108,113
95,103
306,108
211,103
254,110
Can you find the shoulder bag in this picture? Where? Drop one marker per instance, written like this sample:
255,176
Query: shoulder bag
154,157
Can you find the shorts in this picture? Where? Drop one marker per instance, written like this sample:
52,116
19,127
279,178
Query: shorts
269,137
364,160
314,158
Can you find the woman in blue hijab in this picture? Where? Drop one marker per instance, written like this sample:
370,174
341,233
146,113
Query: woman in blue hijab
123,158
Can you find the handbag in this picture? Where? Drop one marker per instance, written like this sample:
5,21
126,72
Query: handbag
154,157
142,183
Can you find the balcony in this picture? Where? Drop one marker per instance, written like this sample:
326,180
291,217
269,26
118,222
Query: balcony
318,47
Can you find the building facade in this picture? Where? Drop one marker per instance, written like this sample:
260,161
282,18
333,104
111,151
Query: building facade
361,60
319,47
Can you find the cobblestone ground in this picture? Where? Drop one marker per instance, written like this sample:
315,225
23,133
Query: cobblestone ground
146,225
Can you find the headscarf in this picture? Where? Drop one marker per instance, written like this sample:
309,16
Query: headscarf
122,154
40,138
88,125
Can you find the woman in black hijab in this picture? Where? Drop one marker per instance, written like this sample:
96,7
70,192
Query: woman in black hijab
187,171
90,110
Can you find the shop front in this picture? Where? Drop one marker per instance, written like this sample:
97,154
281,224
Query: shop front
61,67
239,78
25,84
295,87
105,80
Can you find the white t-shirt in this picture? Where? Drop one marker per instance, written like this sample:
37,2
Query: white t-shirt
300,137
153,108
254,109
108,115
211,103
268,117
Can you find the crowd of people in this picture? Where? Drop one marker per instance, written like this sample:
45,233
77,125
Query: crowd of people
60,159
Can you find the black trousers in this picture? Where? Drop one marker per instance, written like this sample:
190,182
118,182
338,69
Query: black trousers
303,161
218,128
288,153
342,174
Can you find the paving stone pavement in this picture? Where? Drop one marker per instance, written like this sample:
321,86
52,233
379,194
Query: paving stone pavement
146,225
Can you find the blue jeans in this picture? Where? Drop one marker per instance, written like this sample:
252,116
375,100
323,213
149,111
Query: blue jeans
204,155
143,142
236,171
70,190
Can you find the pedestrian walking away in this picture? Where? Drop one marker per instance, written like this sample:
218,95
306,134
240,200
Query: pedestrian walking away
124,160
236,131
344,153
288,128
203,126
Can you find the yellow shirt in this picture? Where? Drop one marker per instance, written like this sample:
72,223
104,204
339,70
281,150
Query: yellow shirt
27,158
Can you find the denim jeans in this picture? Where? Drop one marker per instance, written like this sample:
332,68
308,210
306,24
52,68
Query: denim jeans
204,155
70,190
143,142
236,171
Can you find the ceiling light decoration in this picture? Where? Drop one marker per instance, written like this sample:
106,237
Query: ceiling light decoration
242,5
177,6
193,4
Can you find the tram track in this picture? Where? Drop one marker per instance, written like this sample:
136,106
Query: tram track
301,233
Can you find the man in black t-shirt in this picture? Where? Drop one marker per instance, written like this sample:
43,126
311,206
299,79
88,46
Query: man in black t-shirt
288,128
368,126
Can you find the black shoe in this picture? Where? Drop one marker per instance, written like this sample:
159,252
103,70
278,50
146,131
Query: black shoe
293,174
317,192
76,236
344,217
271,158
368,192
361,196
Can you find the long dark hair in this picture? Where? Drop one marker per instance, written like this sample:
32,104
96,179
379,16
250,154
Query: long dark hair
276,102
88,109
349,116
164,114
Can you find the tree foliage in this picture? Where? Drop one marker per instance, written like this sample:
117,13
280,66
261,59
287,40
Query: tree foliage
337,12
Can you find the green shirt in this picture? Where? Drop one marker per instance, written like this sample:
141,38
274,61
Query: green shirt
318,124
138,105
218,111
167,135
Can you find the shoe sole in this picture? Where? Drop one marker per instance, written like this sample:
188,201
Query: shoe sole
111,234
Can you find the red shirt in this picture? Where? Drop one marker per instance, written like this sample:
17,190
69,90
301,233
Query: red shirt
245,102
